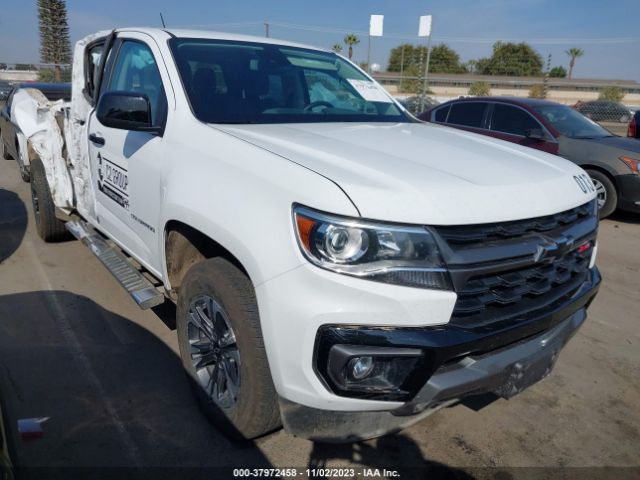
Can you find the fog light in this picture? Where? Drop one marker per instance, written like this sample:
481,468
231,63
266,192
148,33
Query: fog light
360,367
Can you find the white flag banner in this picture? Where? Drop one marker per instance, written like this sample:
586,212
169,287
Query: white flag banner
375,25
424,29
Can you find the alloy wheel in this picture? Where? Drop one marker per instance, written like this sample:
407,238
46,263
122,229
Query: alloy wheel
213,350
601,192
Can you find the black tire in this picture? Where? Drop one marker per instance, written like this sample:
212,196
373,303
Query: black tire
255,410
24,171
3,149
49,228
610,193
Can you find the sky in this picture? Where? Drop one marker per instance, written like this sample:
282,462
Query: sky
608,32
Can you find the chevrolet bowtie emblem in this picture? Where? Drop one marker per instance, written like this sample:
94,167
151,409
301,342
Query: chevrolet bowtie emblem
552,247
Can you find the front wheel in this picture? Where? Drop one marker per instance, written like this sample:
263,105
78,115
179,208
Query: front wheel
606,192
222,350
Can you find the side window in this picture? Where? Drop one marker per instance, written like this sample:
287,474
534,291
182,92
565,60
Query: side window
135,70
508,119
92,64
468,114
441,114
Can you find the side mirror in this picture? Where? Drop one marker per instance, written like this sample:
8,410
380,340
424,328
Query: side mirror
534,134
126,111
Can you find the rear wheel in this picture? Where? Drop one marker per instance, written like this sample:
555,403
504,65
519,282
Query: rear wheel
606,192
222,349
49,228
24,170
3,150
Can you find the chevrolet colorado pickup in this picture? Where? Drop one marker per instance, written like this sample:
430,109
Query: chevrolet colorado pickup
339,267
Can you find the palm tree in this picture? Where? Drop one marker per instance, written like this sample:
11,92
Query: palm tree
337,47
351,40
573,53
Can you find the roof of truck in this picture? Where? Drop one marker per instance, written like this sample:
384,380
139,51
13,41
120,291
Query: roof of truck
208,34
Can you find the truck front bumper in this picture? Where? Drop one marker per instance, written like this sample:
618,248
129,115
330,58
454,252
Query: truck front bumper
460,363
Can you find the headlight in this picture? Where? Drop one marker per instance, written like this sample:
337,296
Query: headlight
401,255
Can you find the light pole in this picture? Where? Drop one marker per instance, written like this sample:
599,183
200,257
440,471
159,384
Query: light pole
424,30
401,68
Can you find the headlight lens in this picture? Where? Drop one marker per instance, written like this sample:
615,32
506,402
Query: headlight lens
401,255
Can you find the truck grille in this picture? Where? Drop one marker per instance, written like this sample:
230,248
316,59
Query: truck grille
511,271
460,235
497,297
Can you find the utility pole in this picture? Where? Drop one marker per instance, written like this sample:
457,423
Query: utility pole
369,54
401,69
266,29
545,81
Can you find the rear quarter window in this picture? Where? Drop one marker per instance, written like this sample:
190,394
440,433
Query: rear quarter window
468,114
441,114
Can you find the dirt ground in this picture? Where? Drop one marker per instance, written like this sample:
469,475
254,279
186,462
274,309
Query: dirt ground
73,347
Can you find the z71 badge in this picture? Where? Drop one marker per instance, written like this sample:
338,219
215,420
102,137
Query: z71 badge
113,181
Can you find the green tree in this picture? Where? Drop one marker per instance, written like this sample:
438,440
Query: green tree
413,83
3,66
558,72
443,58
337,47
351,40
612,94
514,59
55,47
49,75
480,89
537,91
573,54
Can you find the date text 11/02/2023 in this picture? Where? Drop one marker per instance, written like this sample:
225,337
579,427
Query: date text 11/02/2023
316,472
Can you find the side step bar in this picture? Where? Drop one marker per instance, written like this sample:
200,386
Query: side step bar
140,288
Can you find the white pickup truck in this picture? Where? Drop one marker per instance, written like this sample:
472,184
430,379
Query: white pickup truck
339,267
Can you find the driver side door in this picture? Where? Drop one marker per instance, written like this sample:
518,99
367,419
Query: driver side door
127,165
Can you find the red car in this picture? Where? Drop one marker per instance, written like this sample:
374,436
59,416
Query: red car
612,162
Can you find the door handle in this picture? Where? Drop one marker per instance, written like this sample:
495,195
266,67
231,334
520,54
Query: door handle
98,140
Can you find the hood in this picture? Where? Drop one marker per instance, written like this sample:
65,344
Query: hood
621,143
425,174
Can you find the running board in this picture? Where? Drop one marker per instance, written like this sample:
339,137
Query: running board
140,288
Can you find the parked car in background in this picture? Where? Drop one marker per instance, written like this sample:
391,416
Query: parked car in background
604,111
415,106
611,161
633,130
5,88
12,143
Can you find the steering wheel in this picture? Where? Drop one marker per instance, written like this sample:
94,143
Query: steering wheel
319,103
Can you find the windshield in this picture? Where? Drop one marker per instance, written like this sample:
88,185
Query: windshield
570,122
241,82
